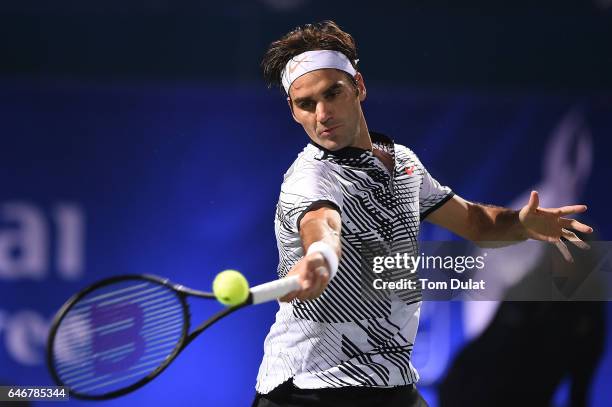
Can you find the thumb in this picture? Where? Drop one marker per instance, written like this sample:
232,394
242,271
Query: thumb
534,201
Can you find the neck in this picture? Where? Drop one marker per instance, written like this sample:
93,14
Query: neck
363,140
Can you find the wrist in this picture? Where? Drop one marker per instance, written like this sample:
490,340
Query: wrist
521,229
328,253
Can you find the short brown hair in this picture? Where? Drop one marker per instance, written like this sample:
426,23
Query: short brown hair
324,35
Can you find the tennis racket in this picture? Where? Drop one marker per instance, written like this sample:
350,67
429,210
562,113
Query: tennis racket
120,333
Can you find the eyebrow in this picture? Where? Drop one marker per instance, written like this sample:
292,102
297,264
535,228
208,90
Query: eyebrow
325,92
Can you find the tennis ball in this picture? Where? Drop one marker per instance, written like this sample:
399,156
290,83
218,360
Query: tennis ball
231,287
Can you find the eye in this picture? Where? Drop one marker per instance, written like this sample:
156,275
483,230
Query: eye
333,94
306,105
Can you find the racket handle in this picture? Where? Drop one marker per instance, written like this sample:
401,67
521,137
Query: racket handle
274,289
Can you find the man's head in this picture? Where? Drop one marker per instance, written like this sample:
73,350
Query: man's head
324,90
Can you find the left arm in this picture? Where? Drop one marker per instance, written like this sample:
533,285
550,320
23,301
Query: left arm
490,226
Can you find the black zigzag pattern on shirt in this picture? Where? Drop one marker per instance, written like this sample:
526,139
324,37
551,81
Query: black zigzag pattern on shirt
387,343
351,336
374,211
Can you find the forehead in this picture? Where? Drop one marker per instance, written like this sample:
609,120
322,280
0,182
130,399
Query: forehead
315,82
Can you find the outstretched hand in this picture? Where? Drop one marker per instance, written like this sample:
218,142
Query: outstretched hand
549,225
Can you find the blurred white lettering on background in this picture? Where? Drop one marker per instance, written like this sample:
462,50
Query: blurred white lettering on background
26,237
25,335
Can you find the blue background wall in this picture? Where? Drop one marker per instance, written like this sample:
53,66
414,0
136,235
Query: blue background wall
180,179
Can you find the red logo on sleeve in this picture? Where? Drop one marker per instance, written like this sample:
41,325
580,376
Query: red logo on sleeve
410,170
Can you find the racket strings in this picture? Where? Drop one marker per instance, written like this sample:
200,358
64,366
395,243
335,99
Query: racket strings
117,335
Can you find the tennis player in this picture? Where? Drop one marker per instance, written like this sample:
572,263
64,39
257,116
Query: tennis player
350,185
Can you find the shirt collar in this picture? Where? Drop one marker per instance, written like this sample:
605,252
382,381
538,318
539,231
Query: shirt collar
378,140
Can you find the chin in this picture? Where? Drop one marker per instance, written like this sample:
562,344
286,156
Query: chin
331,144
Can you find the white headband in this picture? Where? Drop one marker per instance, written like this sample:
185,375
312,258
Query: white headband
312,60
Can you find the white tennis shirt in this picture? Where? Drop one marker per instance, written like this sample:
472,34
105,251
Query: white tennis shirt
341,338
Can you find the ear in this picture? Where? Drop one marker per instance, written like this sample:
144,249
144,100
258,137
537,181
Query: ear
291,108
360,86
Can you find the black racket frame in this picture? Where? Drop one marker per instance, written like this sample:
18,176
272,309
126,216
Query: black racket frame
182,293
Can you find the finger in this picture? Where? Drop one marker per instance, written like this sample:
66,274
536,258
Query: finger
567,210
290,297
317,285
544,238
305,280
314,285
574,224
564,251
571,236
321,278
304,292
534,200
326,277
310,279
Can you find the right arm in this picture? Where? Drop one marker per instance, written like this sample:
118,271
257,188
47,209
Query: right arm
321,224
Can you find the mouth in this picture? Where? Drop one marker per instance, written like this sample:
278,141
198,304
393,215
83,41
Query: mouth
328,132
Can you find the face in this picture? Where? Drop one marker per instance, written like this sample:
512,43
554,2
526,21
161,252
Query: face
325,103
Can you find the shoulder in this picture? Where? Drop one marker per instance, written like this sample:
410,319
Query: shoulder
406,155
307,167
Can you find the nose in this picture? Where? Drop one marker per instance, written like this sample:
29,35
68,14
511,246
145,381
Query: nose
324,112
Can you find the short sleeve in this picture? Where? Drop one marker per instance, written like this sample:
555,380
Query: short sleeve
432,195
307,186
